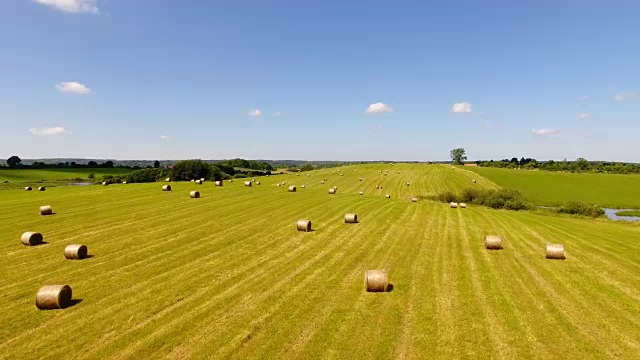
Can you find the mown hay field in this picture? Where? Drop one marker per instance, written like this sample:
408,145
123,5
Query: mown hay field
229,276
553,188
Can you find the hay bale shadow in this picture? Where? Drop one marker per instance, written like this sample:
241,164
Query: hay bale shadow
390,287
74,302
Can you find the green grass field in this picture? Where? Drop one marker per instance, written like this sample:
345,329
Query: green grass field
553,188
51,177
228,275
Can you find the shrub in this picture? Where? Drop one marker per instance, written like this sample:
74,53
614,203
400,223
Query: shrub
507,199
580,208
146,175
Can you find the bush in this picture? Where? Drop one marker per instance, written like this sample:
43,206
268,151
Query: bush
580,208
146,175
507,199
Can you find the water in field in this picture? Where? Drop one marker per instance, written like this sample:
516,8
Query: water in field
81,184
611,214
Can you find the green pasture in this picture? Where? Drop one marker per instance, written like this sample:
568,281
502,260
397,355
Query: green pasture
553,188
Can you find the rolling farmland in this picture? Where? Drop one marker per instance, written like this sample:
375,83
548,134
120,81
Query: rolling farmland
228,275
553,188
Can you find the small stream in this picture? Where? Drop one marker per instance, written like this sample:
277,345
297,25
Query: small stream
611,214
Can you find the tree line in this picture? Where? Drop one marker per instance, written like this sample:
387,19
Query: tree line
579,165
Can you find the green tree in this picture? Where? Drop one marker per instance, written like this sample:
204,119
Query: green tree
458,156
196,169
156,164
14,161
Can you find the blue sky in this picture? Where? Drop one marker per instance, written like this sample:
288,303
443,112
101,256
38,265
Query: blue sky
160,79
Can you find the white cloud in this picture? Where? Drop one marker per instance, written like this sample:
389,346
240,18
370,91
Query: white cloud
72,6
626,96
378,108
50,131
461,107
584,97
277,113
545,131
72,87
583,116
164,137
254,112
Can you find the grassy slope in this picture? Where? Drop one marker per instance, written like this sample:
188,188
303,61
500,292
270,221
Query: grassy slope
552,188
227,275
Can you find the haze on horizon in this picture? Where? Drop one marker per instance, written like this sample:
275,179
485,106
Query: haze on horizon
327,81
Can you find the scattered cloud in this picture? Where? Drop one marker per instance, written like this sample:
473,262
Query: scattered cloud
277,113
49,131
72,6
583,116
72,87
461,107
164,137
628,95
254,112
378,108
545,131
584,97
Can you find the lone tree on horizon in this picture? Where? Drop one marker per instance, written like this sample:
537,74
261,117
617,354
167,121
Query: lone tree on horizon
14,161
458,156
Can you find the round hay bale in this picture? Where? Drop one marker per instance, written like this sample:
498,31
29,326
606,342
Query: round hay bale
332,191
388,196
75,252
193,180
351,218
341,174
267,175
474,181
124,182
46,210
202,179
555,251
453,205
408,184
247,183
257,182
303,225
199,182
302,186
28,188
279,184
414,199
493,242
167,179
376,281
194,194
42,188
31,238
463,205
166,188
385,174
230,180
50,297
105,183
360,179
219,183
322,182
292,188
361,192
